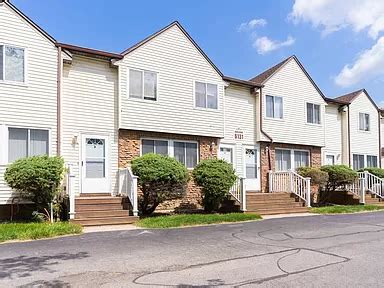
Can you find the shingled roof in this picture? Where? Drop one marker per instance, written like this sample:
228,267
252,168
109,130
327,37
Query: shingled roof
262,77
348,98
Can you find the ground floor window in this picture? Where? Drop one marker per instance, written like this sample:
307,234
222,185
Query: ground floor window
286,159
371,161
226,154
329,159
23,142
185,152
361,161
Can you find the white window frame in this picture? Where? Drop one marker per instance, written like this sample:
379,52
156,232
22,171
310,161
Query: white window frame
206,96
232,147
366,160
23,83
292,157
365,124
4,131
265,108
332,155
171,147
313,107
143,84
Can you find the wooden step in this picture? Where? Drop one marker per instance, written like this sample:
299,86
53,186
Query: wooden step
97,207
106,221
101,214
267,211
275,205
98,200
95,195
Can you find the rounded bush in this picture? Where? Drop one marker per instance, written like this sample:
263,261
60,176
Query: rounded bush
318,177
36,178
339,175
215,177
161,178
374,170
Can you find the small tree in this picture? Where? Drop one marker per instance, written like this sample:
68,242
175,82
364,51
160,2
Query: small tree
338,177
36,178
161,178
215,177
374,170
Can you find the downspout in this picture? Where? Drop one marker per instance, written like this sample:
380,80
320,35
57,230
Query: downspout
379,158
261,128
349,137
59,68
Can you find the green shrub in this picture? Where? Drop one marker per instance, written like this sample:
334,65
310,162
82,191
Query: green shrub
36,178
215,177
374,170
161,178
318,177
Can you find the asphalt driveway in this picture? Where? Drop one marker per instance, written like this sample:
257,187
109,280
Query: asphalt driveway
318,251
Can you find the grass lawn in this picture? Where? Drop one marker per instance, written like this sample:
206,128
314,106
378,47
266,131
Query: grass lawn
194,219
27,231
339,209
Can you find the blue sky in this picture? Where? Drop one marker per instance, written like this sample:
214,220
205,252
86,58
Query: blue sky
340,48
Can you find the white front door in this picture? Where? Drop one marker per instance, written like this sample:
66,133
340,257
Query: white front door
95,176
252,169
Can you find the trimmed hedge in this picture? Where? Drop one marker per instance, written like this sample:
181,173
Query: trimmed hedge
374,170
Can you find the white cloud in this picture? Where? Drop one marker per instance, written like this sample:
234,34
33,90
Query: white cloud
252,24
265,45
334,15
368,65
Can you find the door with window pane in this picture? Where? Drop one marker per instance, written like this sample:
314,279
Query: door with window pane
251,163
95,176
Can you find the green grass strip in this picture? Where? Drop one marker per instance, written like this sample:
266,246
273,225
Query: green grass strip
339,209
194,219
28,231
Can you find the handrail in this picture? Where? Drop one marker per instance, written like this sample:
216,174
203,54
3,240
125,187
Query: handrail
128,187
238,192
374,184
70,192
290,181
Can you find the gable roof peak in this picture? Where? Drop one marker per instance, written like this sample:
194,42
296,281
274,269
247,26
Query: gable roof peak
264,76
349,97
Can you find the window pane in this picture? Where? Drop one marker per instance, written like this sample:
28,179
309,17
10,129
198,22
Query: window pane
309,113
191,155
95,168
14,64
212,96
179,151
150,85
316,114
278,107
269,105
95,158
200,94
358,161
301,159
39,142
250,163
366,122
226,154
361,121
282,160
371,161
330,160
161,147
17,144
135,84
1,62
147,146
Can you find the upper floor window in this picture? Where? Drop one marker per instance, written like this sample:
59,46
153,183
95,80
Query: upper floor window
274,107
313,113
142,84
12,64
206,95
364,122
26,143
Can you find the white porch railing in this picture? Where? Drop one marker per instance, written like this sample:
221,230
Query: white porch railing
289,181
374,184
357,188
238,192
70,192
128,187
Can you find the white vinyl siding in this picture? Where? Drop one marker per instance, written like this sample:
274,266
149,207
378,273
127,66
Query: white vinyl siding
292,84
89,107
31,100
286,159
313,113
335,134
364,121
274,107
178,65
142,84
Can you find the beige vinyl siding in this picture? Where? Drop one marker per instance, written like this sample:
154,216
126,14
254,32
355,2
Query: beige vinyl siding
31,104
292,84
364,142
178,64
333,135
89,106
240,115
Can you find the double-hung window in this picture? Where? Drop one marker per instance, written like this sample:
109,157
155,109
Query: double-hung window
313,113
286,159
186,153
301,159
371,161
358,161
154,146
142,84
364,122
12,64
226,154
274,107
206,95
26,143
330,159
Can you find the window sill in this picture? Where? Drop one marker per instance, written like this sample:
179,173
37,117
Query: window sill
142,100
11,83
274,119
314,124
364,132
207,109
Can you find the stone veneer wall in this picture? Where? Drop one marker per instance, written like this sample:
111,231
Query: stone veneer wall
315,157
129,148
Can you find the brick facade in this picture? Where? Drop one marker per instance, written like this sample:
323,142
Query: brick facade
129,148
315,158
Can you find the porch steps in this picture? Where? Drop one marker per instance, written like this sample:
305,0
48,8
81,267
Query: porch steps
96,209
274,203
371,199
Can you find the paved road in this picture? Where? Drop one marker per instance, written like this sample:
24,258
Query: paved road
318,251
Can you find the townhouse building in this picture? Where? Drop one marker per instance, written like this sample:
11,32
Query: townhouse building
99,110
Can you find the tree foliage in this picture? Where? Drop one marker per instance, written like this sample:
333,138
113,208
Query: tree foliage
374,170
